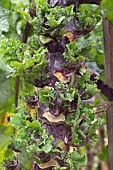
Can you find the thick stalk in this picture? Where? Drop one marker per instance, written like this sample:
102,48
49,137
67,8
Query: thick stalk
17,90
102,164
108,48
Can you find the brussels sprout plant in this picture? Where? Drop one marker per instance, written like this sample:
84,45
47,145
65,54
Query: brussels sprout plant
47,47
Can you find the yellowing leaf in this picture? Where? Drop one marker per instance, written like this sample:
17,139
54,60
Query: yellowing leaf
71,149
66,140
32,112
70,36
62,79
83,69
50,163
63,168
62,145
27,108
6,118
54,119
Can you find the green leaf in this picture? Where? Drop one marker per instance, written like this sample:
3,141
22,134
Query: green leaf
46,95
5,90
5,4
104,155
17,120
4,25
20,2
24,159
34,125
47,147
76,161
45,39
5,140
107,7
5,82
82,133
